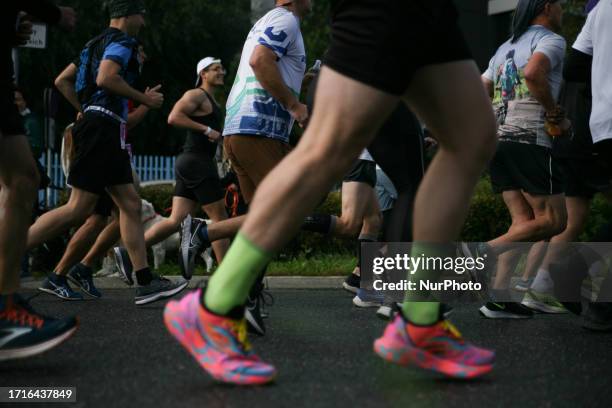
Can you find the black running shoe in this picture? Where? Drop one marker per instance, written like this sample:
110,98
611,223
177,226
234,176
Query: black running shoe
191,244
24,333
122,259
158,288
252,313
57,285
352,283
255,308
505,310
598,317
82,276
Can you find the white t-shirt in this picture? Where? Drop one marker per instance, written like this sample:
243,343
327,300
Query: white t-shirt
596,39
250,108
520,115
365,155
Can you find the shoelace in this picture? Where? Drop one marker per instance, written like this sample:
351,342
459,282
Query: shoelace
452,330
20,311
240,328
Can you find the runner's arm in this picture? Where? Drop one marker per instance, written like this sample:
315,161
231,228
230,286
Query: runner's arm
263,63
536,79
109,79
179,116
65,84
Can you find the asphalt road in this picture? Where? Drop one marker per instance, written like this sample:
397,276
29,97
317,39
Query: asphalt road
122,356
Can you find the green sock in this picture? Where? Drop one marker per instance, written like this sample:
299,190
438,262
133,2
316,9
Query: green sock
417,306
422,313
230,284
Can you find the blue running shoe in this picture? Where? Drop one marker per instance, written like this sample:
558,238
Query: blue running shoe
24,332
58,286
82,276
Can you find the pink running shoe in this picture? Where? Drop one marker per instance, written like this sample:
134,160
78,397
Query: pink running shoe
438,347
218,343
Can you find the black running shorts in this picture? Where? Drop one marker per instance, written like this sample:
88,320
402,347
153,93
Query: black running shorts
99,161
105,205
197,179
583,177
364,171
526,167
382,43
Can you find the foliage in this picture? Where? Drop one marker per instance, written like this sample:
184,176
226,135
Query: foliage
160,196
177,35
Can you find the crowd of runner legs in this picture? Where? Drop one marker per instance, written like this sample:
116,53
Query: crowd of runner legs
354,108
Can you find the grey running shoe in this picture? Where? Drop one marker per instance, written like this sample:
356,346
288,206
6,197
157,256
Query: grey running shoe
475,250
191,244
523,285
158,288
122,259
368,298
255,308
543,302
598,317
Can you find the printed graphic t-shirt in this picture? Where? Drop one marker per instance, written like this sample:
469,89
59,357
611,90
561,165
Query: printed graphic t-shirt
250,108
520,116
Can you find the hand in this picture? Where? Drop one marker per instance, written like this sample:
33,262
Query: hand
153,98
565,125
67,19
299,112
24,32
214,136
79,116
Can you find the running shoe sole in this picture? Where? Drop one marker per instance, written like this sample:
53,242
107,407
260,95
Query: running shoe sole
51,292
543,307
143,300
349,288
29,351
597,327
189,336
78,284
125,276
413,356
493,314
362,303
